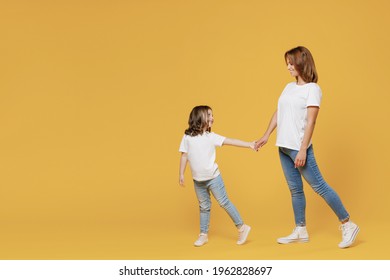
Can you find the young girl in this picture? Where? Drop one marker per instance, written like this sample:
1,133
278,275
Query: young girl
198,148
295,118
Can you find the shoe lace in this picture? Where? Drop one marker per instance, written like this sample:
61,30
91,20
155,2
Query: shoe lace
202,237
295,231
240,234
344,229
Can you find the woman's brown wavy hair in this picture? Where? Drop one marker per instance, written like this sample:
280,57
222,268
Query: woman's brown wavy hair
198,121
303,62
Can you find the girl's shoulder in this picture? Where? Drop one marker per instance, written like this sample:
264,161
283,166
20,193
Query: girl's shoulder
205,134
212,134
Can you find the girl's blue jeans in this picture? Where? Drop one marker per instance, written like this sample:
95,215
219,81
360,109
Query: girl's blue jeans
217,188
312,175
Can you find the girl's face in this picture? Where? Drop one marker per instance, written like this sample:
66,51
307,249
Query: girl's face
291,69
210,118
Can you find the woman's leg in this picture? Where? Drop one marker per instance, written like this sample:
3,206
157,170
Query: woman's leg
295,184
312,175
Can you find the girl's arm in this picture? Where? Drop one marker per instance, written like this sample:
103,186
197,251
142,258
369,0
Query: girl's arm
312,113
183,164
271,127
239,143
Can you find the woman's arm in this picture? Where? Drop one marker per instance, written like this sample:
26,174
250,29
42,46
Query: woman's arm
183,164
312,113
271,127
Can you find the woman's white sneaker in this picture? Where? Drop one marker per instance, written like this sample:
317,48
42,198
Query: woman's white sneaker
299,234
202,239
349,232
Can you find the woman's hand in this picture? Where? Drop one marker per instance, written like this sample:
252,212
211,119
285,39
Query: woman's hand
300,159
181,180
261,142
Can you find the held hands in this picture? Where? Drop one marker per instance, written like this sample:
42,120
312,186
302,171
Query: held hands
261,142
252,145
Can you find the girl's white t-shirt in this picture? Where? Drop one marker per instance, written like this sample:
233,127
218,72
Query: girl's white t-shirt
201,154
292,113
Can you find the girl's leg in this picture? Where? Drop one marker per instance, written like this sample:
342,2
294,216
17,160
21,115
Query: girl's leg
313,176
217,188
203,195
295,184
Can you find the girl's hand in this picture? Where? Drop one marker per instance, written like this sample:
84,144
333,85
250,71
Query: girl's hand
300,159
252,145
261,142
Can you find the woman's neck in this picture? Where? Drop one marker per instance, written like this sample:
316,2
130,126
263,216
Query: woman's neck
300,81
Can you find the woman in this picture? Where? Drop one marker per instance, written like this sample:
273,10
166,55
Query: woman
295,118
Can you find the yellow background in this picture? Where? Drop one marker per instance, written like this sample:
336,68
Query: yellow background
95,96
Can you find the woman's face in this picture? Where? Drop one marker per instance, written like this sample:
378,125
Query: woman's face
291,69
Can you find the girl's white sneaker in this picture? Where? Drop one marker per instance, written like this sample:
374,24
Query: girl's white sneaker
243,234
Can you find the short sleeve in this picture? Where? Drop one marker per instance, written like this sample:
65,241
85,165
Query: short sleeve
217,139
183,145
314,96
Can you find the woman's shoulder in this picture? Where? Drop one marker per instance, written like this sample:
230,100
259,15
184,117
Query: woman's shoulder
291,84
314,87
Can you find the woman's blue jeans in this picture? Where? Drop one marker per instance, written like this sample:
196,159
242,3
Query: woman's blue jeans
312,175
217,188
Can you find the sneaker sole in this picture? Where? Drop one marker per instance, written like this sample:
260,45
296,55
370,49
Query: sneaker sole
246,236
199,245
300,240
352,240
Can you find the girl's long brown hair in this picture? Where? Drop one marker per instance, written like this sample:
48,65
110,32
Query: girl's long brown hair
197,121
303,62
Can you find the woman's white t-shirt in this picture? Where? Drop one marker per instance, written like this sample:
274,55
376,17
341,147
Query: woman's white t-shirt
292,113
201,154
